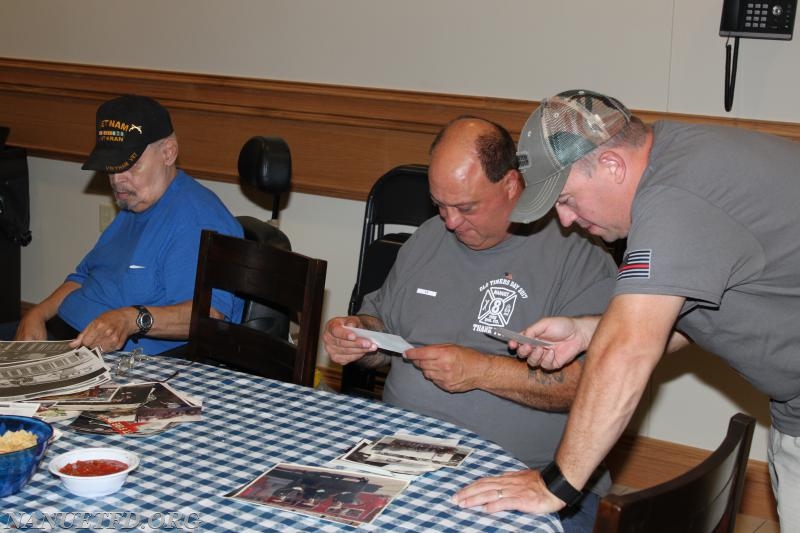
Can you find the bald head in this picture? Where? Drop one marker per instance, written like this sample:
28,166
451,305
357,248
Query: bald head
492,143
474,180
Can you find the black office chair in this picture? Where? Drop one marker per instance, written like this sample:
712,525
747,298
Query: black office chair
266,164
399,197
704,499
14,224
268,275
269,319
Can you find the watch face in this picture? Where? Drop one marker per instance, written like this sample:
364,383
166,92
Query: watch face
144,320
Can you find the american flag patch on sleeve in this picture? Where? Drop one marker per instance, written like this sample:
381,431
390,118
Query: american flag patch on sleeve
636,264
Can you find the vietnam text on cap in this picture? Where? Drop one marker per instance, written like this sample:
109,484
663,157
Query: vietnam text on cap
125,126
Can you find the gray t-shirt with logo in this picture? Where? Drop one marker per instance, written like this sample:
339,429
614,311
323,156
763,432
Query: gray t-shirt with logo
716,219
440,291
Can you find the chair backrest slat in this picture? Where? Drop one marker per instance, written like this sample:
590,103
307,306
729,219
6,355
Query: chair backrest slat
262,273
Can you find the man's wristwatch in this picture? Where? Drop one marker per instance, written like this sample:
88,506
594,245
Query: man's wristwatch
559,486
144,321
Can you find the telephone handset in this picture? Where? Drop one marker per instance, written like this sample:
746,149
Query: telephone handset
758,20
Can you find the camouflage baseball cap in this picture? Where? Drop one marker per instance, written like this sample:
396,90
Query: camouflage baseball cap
563,129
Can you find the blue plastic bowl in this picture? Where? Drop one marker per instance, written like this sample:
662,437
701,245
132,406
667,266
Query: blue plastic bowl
17,468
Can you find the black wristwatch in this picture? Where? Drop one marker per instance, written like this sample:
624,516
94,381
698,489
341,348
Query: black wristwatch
559,486
144,321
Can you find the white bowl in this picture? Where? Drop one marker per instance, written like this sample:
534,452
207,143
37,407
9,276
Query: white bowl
94,486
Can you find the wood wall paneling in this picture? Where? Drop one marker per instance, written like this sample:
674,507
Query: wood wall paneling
341,138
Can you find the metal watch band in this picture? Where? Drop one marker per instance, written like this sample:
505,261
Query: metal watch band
559,486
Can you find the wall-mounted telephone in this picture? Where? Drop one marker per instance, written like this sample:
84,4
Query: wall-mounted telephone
758,20
755,20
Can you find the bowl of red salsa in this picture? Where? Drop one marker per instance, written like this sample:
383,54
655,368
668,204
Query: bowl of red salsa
94,472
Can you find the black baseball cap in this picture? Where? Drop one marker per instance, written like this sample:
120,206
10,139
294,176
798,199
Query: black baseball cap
125,126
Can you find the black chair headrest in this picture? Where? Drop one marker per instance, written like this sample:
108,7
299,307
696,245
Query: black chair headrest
266,163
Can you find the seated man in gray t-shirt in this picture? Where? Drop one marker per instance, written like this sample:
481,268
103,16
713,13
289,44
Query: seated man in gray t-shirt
467,271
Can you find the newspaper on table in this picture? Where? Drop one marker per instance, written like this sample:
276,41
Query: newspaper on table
71,384
30,369
18,408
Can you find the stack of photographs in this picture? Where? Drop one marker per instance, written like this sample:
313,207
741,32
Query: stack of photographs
137,409
403,455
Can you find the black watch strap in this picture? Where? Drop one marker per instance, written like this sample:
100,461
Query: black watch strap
559,486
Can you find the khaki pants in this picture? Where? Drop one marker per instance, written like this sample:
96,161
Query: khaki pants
784,469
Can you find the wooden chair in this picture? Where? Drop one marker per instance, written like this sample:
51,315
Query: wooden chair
260,272
704,499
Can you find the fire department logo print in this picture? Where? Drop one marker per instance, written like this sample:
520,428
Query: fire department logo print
497,306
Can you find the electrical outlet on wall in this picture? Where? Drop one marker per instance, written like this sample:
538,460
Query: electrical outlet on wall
107,213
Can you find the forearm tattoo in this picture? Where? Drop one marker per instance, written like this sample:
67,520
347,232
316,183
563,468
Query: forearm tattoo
543,377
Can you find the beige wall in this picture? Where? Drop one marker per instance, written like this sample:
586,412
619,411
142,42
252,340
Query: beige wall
653,54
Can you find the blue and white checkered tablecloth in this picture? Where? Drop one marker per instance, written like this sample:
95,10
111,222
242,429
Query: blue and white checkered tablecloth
249,425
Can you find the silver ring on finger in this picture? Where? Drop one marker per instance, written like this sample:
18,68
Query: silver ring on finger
499,494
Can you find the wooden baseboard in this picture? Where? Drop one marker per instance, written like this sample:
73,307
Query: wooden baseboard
332,376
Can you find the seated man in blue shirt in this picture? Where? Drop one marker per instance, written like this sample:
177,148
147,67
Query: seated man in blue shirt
135,287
